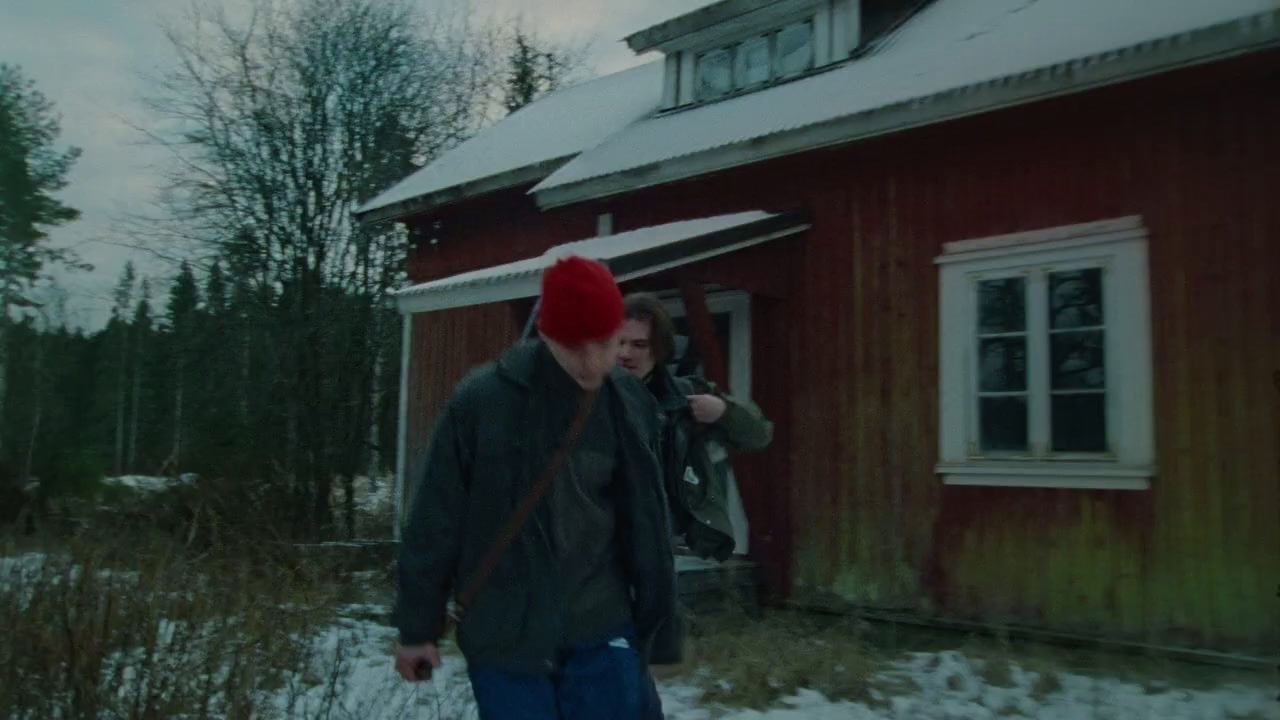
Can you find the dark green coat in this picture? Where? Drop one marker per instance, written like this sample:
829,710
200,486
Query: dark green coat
478,468
695,458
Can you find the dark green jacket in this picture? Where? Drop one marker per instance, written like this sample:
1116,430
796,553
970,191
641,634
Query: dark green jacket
695,459
477,470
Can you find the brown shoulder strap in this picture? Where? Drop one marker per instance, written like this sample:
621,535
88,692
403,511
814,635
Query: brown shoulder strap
527,505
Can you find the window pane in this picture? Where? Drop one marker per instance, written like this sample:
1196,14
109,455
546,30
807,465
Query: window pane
1002,305
1079,422
1075,299
1004,423
715,73
1077,360
1002,364
752,62
795,49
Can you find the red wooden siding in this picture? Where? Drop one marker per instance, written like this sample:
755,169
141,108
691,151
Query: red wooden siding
846,504
445,345
490,230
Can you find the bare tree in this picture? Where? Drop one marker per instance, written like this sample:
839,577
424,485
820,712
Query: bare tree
280,126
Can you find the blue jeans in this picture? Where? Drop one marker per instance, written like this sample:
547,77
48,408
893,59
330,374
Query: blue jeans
604,681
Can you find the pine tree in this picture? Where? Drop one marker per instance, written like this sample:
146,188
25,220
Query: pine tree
119,326
534,68
31,171
215,291
142,335
182,312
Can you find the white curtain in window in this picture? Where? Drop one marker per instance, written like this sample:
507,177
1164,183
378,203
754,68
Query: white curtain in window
795,49
753,65
715,73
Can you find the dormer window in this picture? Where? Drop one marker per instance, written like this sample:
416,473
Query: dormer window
755,61
736,46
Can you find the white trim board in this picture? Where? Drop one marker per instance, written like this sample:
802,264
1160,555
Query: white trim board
522,278
1081,477
1124,228
402,430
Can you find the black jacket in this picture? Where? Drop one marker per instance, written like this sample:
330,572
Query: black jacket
695,459
477,470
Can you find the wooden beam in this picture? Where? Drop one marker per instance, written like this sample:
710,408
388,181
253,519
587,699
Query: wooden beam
702,332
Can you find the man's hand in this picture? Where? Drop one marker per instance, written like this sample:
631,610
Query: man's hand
707,408
415,663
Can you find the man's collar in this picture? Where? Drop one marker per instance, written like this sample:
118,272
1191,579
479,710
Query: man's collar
663,386
520,361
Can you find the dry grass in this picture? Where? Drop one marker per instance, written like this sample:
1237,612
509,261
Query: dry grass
132,628
754,662
1047,683
998,672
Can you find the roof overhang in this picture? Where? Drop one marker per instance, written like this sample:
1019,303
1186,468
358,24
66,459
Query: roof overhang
372,214
675,33
629,255
1211,44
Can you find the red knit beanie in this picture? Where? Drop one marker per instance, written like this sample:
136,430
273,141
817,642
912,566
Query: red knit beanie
581,302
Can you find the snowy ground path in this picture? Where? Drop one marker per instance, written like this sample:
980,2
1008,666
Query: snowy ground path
938,686
349,675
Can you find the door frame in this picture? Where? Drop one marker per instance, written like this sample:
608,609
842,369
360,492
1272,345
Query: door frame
737,305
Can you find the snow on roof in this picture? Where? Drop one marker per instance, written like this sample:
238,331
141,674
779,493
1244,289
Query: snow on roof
556,126
521,278
951,44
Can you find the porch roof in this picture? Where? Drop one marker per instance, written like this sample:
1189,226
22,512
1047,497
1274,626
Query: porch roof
629,255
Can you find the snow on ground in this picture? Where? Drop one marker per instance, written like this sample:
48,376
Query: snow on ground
353,669
947,686
20,569
147,483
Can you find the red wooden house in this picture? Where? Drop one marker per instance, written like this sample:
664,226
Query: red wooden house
1001,272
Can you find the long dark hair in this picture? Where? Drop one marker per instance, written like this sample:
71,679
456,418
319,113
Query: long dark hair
662,332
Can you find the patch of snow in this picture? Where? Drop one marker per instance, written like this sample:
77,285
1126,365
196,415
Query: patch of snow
148,483
947,686
21,569
366,685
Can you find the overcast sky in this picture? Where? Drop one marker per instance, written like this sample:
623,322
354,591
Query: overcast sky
88,57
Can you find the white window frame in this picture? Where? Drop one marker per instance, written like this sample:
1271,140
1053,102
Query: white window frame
1119,248
819,19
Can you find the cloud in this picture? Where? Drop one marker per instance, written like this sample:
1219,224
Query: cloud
89,57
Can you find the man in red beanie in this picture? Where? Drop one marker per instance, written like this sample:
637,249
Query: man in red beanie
583,600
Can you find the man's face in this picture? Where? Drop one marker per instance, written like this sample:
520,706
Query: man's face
635,352
588,364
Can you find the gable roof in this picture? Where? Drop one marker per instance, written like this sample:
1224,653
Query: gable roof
527,145
956,57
